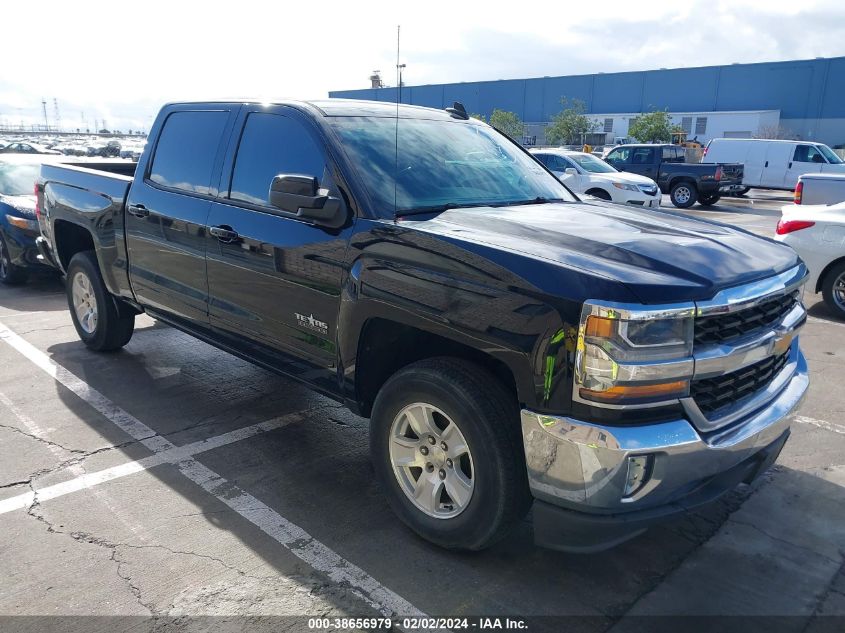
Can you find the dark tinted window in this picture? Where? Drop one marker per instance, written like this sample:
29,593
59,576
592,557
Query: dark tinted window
274,144
187,147
642,156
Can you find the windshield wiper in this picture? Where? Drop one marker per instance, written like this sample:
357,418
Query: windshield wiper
537,200
438,208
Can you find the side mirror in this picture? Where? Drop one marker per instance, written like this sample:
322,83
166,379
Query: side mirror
570,171
302,195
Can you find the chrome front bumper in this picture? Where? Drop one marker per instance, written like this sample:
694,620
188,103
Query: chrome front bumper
583,466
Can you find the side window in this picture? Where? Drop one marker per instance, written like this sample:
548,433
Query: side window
808,154
273,144
546,159
669,154
680,155
643,156
621,155
186,149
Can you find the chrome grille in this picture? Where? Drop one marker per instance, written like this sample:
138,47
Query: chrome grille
712,394
723,328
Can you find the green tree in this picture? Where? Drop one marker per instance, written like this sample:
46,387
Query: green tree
480,117
651,127
508,122
569,125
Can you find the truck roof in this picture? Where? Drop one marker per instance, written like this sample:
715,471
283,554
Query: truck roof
340,107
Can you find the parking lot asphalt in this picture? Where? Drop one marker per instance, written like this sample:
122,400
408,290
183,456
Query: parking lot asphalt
171,479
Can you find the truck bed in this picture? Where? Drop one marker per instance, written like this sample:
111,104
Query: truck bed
92,197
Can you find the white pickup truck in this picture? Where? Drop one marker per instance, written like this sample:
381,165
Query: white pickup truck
820,189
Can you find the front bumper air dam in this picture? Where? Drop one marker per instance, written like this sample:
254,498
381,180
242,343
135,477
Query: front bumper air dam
578,471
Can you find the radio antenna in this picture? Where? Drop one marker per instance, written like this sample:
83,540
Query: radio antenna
396,148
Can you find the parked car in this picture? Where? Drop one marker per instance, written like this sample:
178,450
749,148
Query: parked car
773,164
686,183
584,173
820,189
27,148
817,234
509,343
18,223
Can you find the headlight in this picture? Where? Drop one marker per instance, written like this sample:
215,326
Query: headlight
625,186
22,223
627,355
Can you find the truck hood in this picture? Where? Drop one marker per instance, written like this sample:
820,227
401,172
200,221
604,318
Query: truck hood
661,257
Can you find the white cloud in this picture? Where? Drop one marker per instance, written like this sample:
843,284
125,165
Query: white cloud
120,61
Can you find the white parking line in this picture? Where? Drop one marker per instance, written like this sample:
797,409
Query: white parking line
292,537
171,456
827,426
812,319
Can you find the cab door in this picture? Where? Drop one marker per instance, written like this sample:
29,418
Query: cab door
805,159
275,279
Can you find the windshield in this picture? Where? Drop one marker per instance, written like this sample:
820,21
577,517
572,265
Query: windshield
829,154
590,163
18,180
442,164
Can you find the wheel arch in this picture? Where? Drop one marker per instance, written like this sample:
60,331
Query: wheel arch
830,266
385,346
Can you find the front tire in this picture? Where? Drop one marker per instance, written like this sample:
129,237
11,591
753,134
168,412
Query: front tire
96,317
10,274
833,289
683,194
447,449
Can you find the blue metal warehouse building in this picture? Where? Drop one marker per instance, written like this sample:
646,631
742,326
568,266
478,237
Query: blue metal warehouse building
804,97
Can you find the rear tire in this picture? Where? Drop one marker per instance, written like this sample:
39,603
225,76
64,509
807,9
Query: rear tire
96,317
421,409
833,289
706,201
741,192
683,194
10,274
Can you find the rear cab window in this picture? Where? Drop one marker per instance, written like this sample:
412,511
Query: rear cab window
187,149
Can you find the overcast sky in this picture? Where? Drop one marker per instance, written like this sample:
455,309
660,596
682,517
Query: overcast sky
119,61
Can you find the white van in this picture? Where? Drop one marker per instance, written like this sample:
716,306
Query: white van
773,164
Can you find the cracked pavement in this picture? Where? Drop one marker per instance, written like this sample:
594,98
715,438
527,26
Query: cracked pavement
153,543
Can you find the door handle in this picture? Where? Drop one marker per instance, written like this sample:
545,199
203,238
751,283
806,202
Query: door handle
138,210
224,233
790,164
767,164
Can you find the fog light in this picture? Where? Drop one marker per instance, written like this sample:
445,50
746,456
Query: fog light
639,472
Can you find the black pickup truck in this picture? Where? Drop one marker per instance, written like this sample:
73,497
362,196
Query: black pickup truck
510,344
685,182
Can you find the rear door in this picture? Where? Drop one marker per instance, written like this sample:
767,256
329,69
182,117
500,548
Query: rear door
805,159
753,161
644,161
167,209
778,156
276,279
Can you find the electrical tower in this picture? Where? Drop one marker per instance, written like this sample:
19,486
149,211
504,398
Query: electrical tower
57,118
44,110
